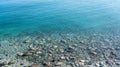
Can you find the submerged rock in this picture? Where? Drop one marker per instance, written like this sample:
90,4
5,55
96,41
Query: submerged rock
35,65
11,62
58,64
48,64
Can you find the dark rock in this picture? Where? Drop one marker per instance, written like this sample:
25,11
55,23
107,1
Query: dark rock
27,54
63,41
11,62
69,50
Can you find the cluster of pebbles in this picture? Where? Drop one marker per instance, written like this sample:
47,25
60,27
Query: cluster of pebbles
60,50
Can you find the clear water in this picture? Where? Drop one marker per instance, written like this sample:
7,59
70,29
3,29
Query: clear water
17,16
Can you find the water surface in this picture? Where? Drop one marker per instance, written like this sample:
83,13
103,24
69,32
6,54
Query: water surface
58,15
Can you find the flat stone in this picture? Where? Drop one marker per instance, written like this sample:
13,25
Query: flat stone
68,66
117,62
27,54
62,57
47,63
81,64
11,62
58,63
20,54
38,52
35,65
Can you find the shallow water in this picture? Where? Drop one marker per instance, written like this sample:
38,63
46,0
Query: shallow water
74,33
58,15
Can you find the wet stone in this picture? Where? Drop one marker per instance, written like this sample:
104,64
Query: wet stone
27,54
117,62
68,66
63,41
47,63
35,65
69,50
58,64
62,57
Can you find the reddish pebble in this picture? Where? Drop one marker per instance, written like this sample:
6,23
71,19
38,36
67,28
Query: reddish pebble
35,65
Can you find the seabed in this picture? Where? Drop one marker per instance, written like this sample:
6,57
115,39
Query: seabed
60,50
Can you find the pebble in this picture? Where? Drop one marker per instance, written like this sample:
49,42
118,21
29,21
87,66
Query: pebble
55,46
83,61
61,50
2,63
97,65
63,41
35,65
62,57
27,54
117,62
81,64
47,63
11,62
68,66
38,52
20,54
58,63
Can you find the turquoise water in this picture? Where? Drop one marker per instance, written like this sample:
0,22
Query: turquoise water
17,16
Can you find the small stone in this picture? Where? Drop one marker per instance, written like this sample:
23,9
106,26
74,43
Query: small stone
68,66
27,54
62,57
35,65
47,63
117,62
20,54
55,46
93,53
67,58
77,65
97,65
39,52
11,62
63,41
82,61
2,63
61,50
58,63
70,49
33,49
27,41
110,62
81,64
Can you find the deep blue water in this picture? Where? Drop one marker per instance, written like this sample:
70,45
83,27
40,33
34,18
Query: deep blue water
58,15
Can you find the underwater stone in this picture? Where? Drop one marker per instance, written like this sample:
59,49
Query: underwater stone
48,64
20,54
11,62
35,65
69,50
81,64
27,54
68,66
117,62
63,41
62,57
58,63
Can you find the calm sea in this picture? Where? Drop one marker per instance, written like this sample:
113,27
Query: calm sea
18,16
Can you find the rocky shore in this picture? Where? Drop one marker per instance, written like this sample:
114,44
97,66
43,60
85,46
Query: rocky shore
60,50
